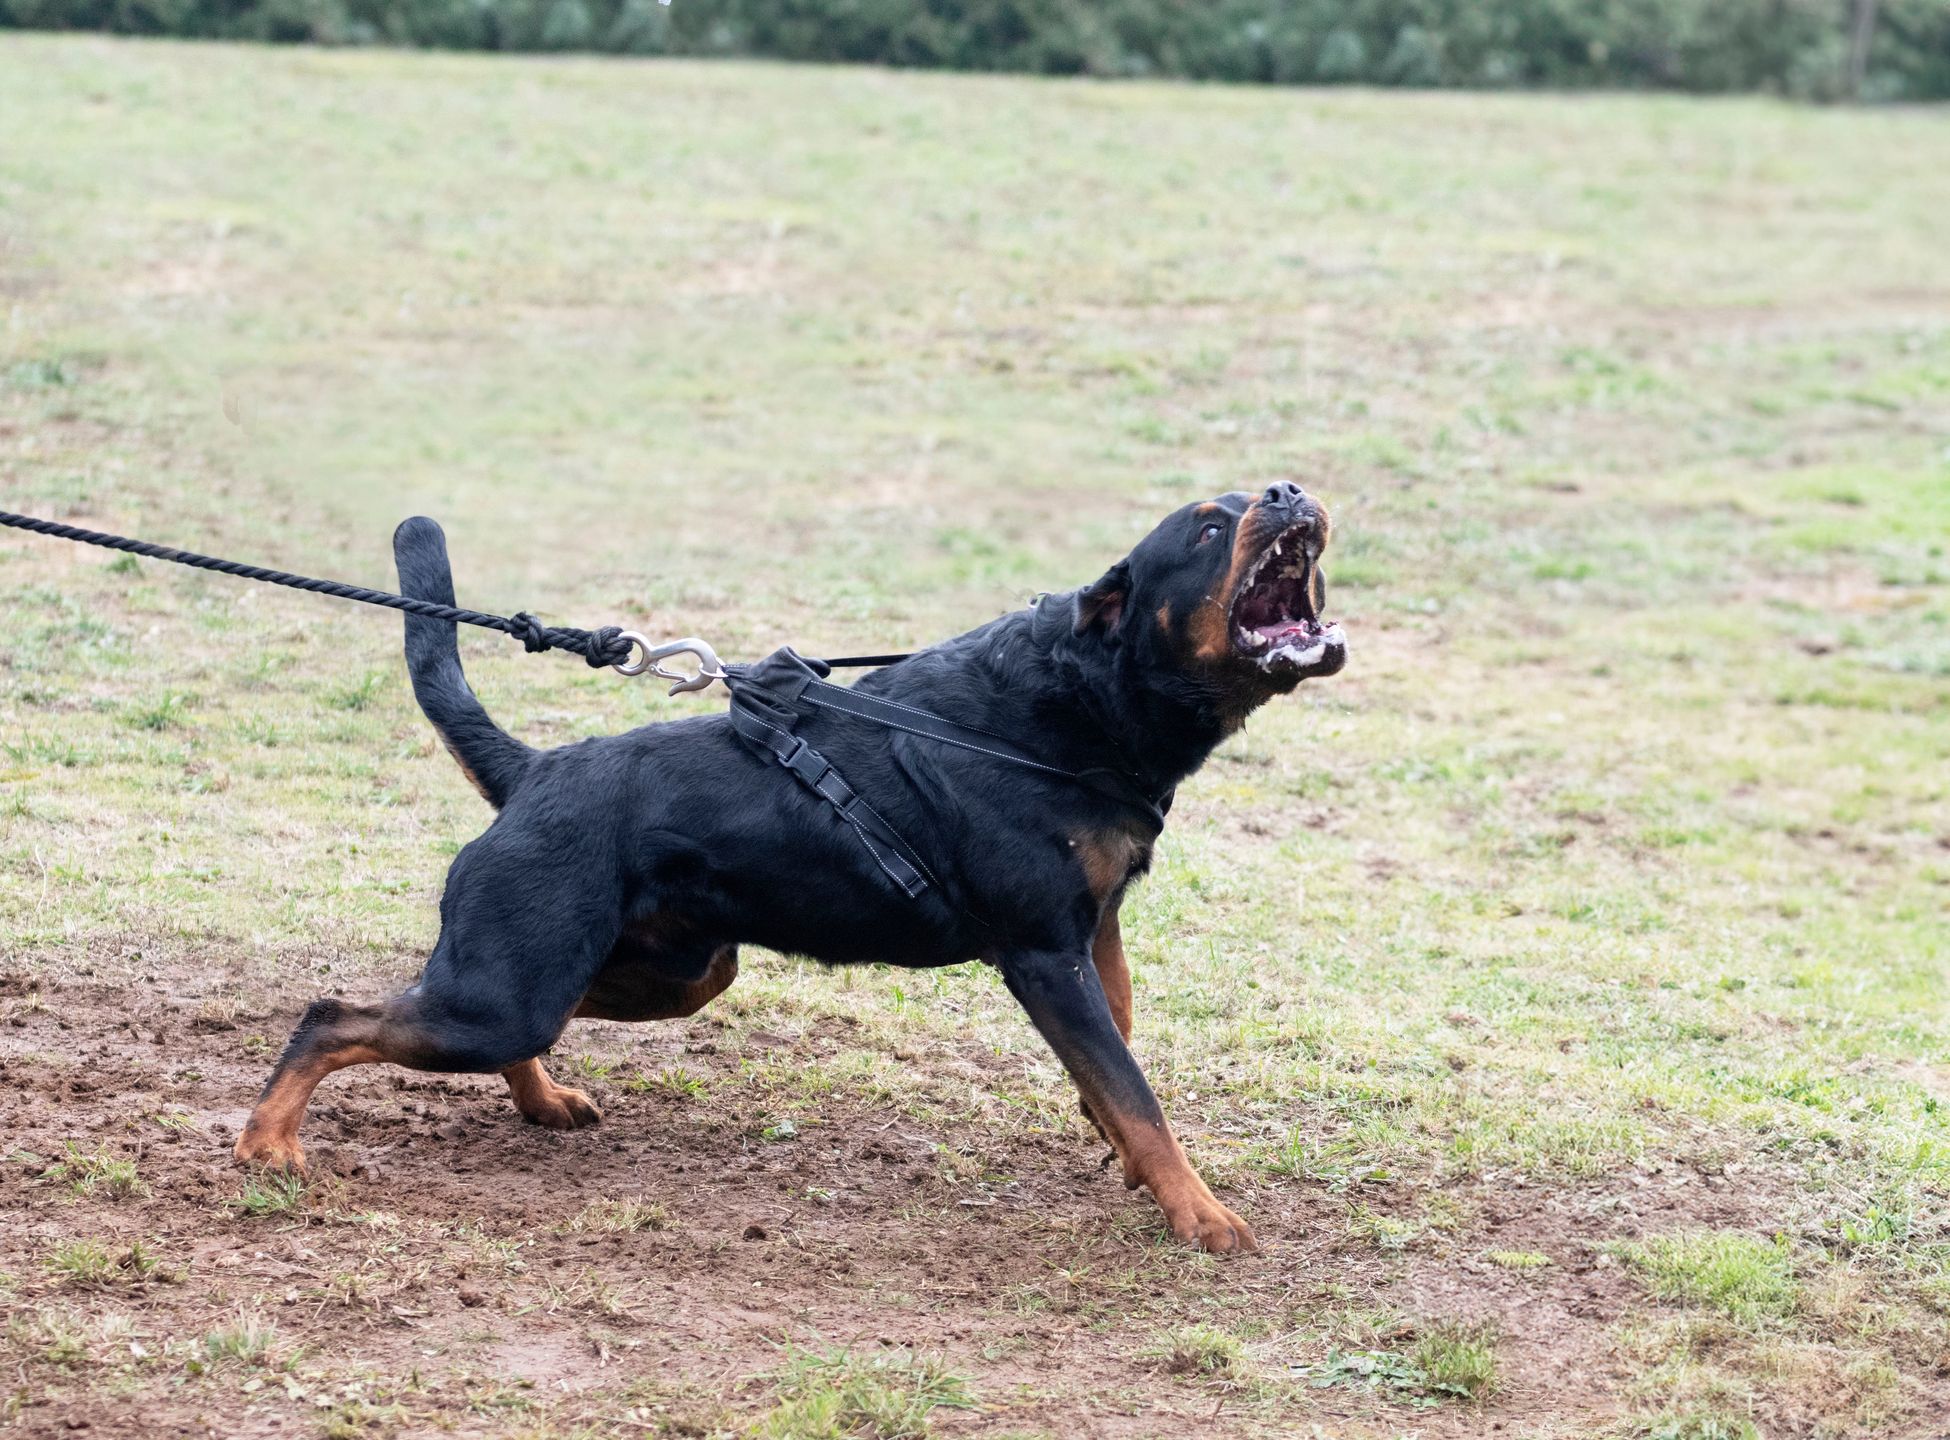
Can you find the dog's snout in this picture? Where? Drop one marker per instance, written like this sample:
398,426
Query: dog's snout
1288,498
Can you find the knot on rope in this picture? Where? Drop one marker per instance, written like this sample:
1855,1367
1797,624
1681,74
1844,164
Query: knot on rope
606,647
597,647
534,638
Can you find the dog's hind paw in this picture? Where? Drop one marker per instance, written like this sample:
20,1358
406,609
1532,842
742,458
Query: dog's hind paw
560,1108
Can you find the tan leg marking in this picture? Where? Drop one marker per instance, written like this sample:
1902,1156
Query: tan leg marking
1107,953
271,1134
544,1102
1153,1158
1112,972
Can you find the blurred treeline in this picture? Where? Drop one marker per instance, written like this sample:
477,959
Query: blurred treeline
1817,49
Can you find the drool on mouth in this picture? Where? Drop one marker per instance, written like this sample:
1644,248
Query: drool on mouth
1275,619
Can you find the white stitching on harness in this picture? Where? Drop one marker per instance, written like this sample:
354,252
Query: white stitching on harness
950,740
868,701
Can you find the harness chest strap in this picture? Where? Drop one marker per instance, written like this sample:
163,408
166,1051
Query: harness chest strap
925,723
813,770
764,708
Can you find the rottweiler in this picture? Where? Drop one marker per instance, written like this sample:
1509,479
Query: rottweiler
622,873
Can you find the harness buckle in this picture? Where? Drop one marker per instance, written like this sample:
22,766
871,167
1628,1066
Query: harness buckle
709,667
805,762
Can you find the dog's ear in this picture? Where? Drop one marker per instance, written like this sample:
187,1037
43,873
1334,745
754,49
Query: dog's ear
1100,607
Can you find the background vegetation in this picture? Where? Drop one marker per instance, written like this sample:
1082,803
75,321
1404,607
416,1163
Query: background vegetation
1810,48
1561,991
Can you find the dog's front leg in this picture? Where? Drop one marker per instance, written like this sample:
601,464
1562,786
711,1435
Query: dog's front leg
1064,998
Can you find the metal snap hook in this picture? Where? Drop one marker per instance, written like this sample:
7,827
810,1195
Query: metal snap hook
634,667
709,667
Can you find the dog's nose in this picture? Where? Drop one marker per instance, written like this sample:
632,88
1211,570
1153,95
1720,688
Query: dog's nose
1285,495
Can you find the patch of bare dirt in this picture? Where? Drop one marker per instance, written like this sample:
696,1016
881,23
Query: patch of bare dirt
434,1277
454,1222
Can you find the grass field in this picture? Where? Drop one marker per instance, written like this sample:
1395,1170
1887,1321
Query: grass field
1560,991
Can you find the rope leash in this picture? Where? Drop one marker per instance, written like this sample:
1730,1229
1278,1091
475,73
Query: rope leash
598,647
764,697
610,645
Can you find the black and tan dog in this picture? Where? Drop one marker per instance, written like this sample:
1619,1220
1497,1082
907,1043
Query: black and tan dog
622,873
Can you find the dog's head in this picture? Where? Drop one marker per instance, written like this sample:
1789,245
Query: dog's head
1228,594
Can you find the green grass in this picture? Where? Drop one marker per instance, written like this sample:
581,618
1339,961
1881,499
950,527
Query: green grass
1697,1425
268,1194
621,1217
1618,850
672,1080
49,1335
98,1172
247,1339
1458,1360
1449,1363
1744,1277
91,1264
841,1394
1200,1350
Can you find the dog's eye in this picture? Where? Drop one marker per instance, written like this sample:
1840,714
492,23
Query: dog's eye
1210,532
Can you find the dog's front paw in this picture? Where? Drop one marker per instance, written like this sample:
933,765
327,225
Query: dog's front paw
562,1109
1204,1222
273,1152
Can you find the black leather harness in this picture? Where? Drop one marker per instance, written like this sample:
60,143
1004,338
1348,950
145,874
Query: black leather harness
766,705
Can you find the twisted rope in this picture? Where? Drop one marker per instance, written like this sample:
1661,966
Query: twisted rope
598,647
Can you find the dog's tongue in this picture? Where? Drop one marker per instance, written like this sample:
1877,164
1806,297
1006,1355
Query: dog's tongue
1286,630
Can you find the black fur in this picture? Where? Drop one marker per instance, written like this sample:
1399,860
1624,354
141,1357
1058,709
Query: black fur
619,867
680,817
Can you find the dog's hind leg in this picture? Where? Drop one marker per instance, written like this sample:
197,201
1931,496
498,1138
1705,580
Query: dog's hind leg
543,1102
418,1030
331,1036
509,968
629,989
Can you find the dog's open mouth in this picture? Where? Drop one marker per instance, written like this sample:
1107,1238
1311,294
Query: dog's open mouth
1275,616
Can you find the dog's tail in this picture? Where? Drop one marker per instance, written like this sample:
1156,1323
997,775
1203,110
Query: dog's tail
491,758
